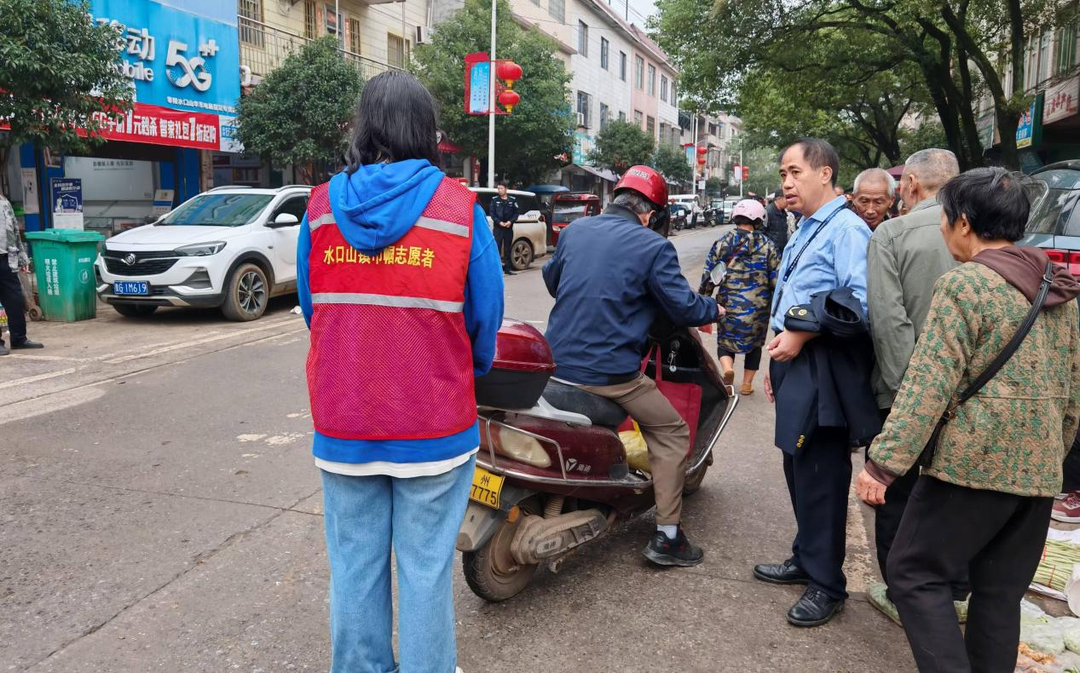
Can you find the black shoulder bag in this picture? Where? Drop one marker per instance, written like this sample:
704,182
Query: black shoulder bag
927,456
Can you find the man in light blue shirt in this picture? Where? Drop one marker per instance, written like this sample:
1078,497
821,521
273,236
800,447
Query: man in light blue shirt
827,252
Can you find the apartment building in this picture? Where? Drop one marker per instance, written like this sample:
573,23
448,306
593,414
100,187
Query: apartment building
717,133
654,93
1050,129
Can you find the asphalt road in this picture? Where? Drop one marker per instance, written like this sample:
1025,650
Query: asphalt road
159,511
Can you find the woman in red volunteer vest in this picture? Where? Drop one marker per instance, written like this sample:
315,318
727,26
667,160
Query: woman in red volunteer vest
401,285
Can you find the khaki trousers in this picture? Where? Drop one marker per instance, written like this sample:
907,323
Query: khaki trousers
666,434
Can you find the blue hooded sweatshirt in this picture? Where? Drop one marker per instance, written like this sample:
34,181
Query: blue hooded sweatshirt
375,207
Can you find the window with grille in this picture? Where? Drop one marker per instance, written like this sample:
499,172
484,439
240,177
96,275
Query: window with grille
1045,42
1066,46
639,72
663,88
310,22
652,80
604,48
583,38
251,33
354,36
622,116
650,126
397,51
583,108
638,118
557,9
604,114
622,67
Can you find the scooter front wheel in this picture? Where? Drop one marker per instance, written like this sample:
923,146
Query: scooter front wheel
491,571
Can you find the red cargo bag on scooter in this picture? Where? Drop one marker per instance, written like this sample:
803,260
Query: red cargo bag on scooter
685,397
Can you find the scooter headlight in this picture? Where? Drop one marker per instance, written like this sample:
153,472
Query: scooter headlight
520,447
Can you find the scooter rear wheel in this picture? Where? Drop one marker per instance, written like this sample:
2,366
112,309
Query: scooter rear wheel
491,571
693,481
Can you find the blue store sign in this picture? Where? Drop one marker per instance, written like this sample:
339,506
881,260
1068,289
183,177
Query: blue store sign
179,55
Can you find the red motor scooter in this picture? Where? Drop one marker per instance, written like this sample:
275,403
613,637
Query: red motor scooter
552,472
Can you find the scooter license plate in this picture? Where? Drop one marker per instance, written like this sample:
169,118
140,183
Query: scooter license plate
486,488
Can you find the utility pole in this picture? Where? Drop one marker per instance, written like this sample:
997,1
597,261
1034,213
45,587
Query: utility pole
491,103
694,158
742,168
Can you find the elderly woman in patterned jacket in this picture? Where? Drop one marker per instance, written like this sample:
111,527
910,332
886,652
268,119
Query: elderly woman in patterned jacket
983,498
741,268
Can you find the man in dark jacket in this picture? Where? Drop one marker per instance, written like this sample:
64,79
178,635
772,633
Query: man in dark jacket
776,222
504,213
611,278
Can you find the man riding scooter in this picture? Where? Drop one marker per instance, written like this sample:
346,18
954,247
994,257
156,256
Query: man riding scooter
612,275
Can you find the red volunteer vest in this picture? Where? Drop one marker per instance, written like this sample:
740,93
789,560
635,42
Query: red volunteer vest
390,357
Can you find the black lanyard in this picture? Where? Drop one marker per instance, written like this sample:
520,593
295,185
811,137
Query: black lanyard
795,260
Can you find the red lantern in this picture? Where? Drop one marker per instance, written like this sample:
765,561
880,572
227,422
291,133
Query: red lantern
702,150
509,98
701,161
510,72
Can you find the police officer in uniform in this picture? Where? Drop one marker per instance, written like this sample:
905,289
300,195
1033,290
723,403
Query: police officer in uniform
504,213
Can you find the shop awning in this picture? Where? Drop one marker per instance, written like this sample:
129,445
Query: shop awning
447,147
601,173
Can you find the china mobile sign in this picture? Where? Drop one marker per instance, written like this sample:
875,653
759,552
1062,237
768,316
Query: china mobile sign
184,65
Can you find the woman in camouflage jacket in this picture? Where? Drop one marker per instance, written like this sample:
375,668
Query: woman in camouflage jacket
984,502
750,262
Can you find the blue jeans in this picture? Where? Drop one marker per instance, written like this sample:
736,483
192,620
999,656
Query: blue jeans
420,517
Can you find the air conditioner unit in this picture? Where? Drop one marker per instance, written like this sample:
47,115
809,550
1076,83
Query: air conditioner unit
245,76
581,119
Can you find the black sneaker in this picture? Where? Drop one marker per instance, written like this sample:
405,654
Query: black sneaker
664,551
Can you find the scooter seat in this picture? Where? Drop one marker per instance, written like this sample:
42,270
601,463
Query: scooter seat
600,410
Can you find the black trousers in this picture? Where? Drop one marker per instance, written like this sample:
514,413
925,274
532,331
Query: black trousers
751,360
818,479
1071,468
504,238
887,519
998,539
11,297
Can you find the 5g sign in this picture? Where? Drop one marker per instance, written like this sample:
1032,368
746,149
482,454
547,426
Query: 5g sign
193,70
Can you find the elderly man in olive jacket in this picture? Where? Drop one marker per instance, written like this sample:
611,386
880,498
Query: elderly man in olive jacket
906,257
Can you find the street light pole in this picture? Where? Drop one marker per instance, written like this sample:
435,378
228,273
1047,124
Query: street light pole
742,167
491,104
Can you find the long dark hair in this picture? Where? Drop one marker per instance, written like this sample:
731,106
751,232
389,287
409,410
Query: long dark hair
395,120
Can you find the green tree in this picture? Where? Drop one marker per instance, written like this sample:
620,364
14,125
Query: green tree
714,186
530,141
622,145
950,51
672,164
59,76
300,113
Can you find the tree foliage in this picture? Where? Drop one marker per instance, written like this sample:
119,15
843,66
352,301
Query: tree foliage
851,67
535,138
622,145
300,113
672,164
58,72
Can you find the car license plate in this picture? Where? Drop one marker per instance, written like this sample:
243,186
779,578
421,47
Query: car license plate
486,488
131,287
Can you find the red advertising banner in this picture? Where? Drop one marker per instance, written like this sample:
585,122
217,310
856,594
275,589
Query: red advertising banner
163,126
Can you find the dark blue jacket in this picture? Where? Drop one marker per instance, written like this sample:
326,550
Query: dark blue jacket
828,384
611,277
503,210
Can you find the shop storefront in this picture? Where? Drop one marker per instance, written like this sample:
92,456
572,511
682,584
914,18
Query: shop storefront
184,66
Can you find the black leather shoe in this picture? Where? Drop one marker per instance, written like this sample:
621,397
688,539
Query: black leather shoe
664,551
781,573
814,609
27,344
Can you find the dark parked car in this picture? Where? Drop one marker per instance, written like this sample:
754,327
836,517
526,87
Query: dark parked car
1055,218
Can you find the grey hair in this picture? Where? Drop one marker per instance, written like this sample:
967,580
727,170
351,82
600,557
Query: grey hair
628,198
877,174
934,167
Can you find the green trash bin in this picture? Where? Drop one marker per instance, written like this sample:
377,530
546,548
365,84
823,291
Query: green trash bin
64,265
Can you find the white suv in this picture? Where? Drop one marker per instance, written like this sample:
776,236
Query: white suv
230,247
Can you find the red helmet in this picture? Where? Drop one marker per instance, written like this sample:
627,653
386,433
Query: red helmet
647,182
